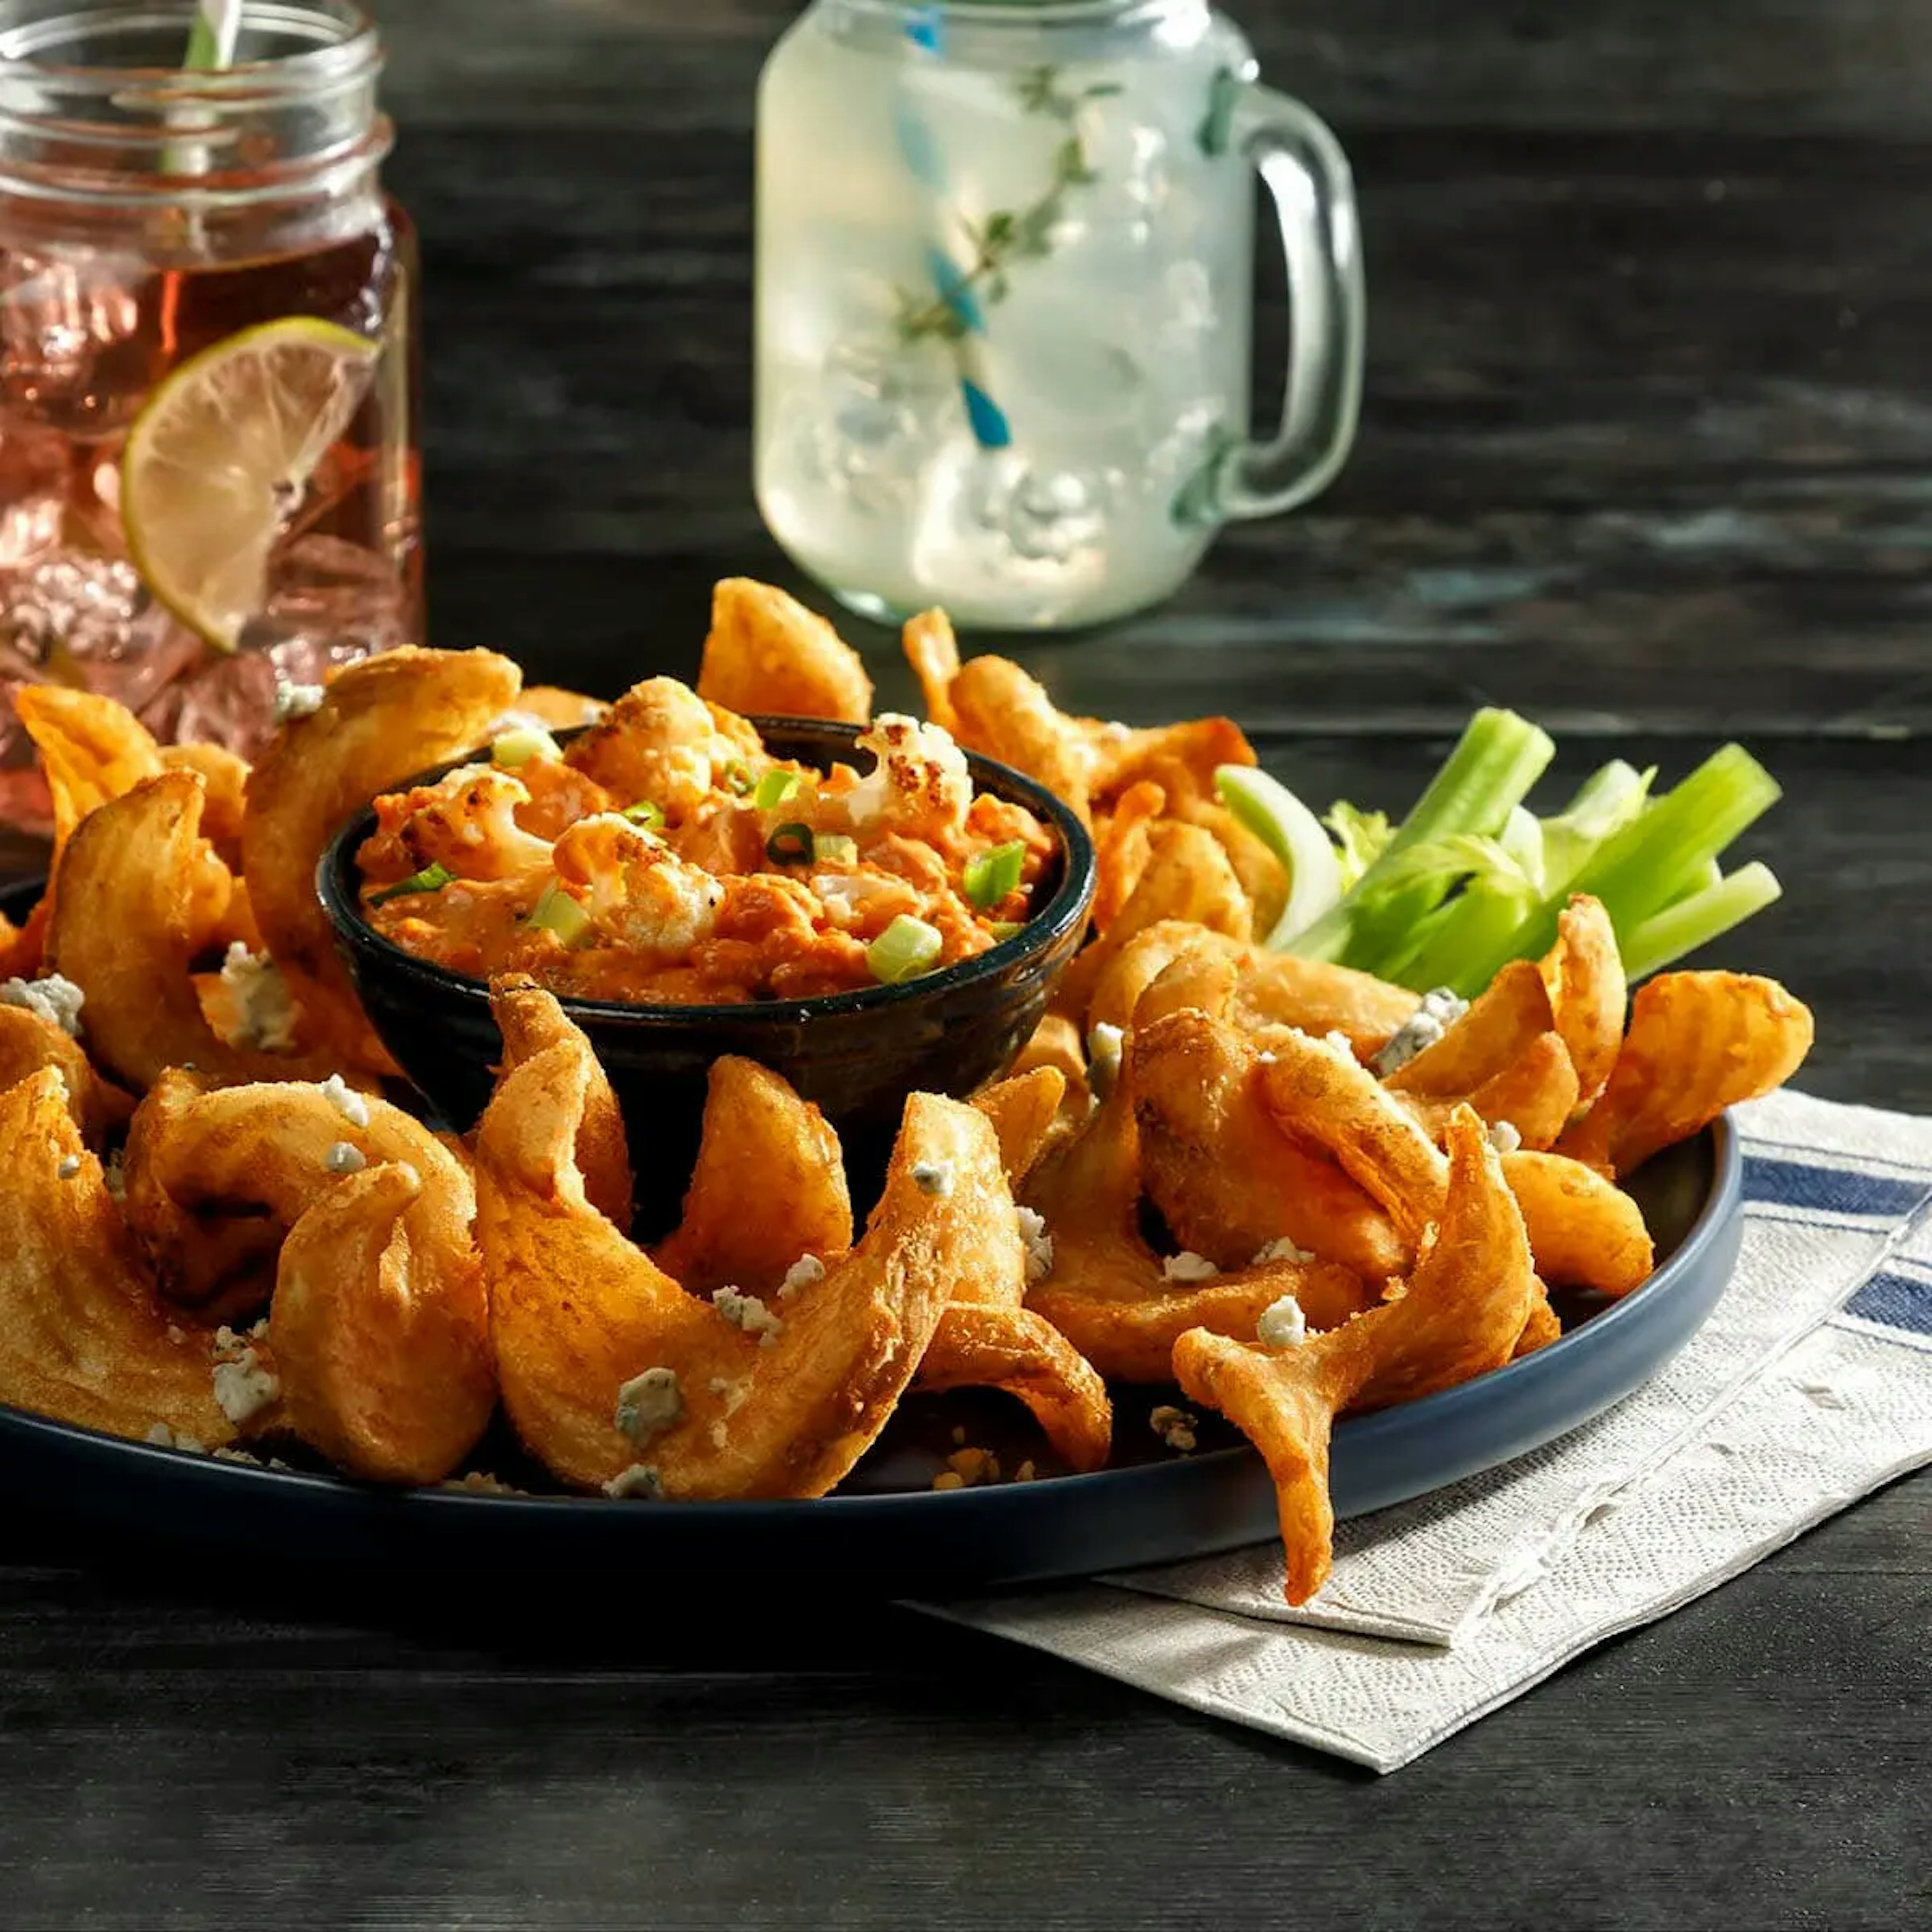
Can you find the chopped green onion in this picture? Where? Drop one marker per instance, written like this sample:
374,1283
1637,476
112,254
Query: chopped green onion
774,788
518,747
905,950
430,879
835,848
992,875
1286,826
644,813
1005,928
556,912
737,779
1666,937
790,845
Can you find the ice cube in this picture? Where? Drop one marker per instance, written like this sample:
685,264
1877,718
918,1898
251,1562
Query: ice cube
1128,159
78,618
1047,516
33,486
993,530
229,699
72,354
330,603
883,407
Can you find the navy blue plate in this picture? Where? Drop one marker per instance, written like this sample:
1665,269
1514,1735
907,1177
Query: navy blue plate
888,1533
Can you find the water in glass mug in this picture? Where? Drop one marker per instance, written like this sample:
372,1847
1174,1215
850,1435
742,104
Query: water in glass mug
1004,262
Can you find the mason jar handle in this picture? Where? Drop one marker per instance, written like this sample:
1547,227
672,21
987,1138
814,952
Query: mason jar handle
1302,167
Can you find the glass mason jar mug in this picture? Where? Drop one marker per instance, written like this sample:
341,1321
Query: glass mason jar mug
1004,296
208,474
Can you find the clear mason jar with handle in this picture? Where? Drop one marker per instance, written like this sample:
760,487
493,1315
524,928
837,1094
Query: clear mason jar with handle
1004,302
208,469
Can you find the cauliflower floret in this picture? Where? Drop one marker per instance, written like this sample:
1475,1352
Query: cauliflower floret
637,892
466,821
920,785
660,741
863,899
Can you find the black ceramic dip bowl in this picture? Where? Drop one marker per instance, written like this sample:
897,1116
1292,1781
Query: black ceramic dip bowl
857,1055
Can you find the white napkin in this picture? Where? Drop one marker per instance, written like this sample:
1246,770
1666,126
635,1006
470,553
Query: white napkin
1809,1386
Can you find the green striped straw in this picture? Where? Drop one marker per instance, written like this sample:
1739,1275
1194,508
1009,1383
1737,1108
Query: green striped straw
211,49
211,42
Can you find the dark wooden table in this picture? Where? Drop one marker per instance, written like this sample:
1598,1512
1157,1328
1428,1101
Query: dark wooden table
1647,450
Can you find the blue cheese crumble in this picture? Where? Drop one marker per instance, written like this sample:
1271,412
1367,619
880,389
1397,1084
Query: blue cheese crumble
748,1312
638,1480
1175,1426
294,701
265,1009
1439,1010
1282,1325
648,1404
1188,1266
933,1177
162,1437
1282,1249
51,998
243,1384
808,1271
343,1158
1038,1242
347,1101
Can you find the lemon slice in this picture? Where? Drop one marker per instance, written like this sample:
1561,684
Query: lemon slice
221,455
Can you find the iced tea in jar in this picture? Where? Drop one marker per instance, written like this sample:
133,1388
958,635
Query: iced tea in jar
209,466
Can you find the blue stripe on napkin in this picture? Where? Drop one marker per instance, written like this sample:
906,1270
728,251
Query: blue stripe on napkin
1893,1300
1816,1189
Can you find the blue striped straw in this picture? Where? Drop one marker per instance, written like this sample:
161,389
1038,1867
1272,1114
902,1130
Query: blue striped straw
925,36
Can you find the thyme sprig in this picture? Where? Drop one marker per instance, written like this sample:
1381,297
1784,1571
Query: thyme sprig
1010,235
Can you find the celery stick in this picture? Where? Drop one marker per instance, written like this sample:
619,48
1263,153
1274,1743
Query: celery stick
1657,858
1668,935
1479,918
1707,875
1607,801
1294,834
1422,902
1523,840
1498,757
1605,793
